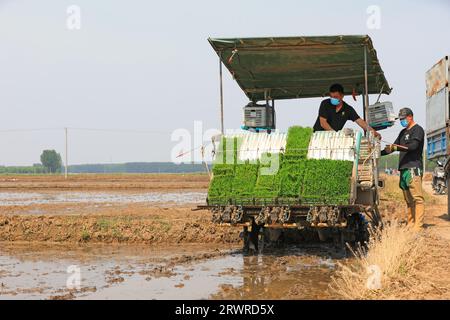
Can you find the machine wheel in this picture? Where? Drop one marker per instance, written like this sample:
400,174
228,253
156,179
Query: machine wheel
440,189
376,219
357,233
253,240
362,233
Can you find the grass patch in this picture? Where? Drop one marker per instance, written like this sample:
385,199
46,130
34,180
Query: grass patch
393,253
85,236
105,224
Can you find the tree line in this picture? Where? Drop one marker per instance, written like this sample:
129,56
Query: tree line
51,163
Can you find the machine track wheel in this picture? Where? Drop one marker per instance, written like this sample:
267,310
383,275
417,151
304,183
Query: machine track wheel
362,229
253,239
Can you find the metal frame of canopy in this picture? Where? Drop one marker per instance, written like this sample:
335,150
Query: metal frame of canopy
328,46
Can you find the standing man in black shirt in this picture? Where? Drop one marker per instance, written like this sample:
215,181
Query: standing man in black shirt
410,144
334,113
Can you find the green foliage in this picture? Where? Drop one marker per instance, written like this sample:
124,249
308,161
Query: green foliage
227,151
51,160
223,170
244,180
267,185
292,177
221,185
391,162
298,141
35,169
85,236
298,179
129,167
327,181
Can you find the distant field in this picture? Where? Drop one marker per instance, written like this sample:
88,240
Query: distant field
112,168
152,181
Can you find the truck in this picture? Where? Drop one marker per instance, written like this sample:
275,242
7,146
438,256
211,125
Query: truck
437,117
269,69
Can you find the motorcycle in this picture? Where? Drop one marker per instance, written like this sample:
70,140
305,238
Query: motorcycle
439,183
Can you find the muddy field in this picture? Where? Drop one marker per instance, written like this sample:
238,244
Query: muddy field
137,237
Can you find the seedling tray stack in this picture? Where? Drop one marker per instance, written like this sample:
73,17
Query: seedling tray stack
299,181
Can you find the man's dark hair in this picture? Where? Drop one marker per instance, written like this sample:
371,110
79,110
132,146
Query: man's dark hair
404,112
337,88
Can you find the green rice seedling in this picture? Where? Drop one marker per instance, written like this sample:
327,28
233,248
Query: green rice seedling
223,170
298,141
267,187
297,178
220,187
219,191
244,180
327,182
291,178
227,151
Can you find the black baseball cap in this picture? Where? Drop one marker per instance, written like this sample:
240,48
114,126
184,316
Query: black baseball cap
404,112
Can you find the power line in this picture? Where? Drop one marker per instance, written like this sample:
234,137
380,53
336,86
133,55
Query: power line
120,130
31,130
87,129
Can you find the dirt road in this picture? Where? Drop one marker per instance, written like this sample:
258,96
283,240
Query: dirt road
435,265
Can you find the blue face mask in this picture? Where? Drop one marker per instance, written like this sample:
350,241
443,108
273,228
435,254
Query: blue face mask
334,101
404,123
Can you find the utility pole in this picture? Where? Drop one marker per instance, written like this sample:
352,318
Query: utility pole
222,129
66,156
366,88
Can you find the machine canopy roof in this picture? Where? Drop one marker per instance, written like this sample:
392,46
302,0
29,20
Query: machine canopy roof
300,67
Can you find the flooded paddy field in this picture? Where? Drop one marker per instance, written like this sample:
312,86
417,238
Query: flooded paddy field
52,271
67,197
134,237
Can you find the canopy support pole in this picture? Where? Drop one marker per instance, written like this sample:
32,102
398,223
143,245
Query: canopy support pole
221,97
366,87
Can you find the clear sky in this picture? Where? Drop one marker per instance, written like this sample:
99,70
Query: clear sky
147,66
